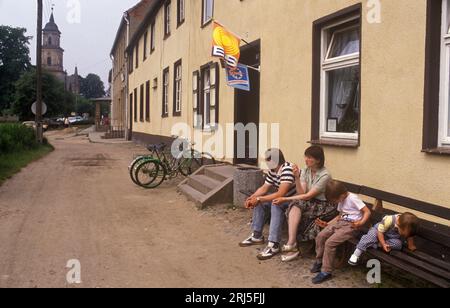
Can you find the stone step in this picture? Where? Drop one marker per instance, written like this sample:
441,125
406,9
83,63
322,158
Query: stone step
203,183
220,173
192,194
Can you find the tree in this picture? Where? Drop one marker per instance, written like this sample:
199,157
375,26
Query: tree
14,61
92,87
58,100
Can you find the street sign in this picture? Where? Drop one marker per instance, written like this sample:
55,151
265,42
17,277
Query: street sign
44,108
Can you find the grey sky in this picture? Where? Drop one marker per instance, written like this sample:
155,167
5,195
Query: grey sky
86,44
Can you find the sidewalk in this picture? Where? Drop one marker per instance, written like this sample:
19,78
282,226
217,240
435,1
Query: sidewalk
96,137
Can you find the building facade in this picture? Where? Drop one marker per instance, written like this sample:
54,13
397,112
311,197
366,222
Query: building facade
129,23
367,80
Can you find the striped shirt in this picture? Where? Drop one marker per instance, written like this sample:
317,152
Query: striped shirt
284,175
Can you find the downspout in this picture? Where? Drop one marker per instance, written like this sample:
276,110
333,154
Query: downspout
113,121
128,134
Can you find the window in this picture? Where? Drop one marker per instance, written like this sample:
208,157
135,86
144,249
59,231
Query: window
209,95
165,96
208,11
177,89
135,105
131,61
167,19
147,101
336,79
152,37
50,40
436,127
141,104
444,104
197,119
180,12
137,55
49,61
145,45
131,102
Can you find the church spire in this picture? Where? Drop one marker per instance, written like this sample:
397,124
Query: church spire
52,19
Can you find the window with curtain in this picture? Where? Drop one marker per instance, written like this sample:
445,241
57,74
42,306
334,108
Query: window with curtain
165,103
444,104
180,12
167,19
340,81
177,88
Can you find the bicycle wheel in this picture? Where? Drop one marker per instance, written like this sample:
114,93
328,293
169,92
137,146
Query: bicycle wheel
133,166
189,165
150,174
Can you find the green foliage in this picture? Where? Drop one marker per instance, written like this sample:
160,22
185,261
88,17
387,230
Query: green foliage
16,138
92,86
84,105
58,100
14,61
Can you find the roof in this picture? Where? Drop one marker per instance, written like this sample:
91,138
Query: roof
155,6
131,12
51,25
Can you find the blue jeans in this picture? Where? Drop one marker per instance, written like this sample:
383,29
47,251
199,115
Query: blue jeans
278,217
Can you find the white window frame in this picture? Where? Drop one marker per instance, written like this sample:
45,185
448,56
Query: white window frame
328,65
196,100
181,11
166,92
444,99
167,8
205,17
178,87
207,103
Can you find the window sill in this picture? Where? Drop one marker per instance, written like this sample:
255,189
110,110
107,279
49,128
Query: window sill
177,114
438,151
180,23
206,23
166,36
336,143
164,116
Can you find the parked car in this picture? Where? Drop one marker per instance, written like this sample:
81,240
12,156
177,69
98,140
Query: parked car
74,120
32,124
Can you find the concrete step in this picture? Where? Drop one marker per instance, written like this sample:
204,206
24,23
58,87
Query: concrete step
203,183
192,194
220,173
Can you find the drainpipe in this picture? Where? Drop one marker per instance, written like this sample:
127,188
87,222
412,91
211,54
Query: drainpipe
128,135
113,122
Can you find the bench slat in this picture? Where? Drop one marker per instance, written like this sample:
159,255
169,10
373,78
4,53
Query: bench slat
430,259
409,268
421,264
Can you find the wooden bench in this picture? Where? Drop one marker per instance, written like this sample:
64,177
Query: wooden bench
431,261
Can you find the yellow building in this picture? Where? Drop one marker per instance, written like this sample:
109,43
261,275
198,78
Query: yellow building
368,81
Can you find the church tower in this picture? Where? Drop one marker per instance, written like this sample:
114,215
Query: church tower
52,53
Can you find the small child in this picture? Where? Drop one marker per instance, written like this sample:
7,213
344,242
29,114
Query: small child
388,235
353,215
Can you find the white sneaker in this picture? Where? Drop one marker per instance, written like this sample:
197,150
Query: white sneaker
252,241
354,259
269,252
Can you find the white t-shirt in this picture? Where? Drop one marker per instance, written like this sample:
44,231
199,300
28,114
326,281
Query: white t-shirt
351,207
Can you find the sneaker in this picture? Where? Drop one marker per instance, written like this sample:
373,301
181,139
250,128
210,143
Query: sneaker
252,241
353,260
317,268
269,252
321,277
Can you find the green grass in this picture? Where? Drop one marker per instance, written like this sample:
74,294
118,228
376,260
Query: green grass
12,163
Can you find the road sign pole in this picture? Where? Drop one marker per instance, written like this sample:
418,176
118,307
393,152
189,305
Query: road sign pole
38,119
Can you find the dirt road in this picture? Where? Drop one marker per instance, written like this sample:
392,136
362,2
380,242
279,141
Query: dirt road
78,203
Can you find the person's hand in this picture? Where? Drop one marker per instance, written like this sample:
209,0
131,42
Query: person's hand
251,203
387,248
357,225
279,201
412,247
297,171
321,223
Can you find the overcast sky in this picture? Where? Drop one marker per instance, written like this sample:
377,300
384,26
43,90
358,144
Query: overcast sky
86,37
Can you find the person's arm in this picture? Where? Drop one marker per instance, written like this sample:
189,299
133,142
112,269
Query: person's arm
324,224
304,197
299,185
251,201
363,221
383,243
282,191
411,244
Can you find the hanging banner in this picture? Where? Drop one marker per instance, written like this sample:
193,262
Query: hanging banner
237,77
226,45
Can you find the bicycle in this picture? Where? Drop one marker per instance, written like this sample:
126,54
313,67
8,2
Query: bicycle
152,170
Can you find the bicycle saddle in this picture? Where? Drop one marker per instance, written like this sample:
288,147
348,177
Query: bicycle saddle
157,147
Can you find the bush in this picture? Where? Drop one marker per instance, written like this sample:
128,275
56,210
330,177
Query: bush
16,138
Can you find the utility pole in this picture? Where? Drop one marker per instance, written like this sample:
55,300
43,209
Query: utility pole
38,119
